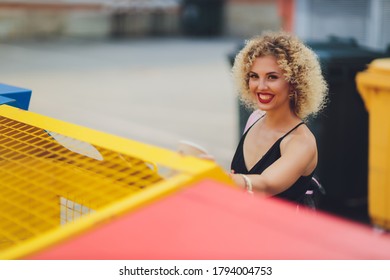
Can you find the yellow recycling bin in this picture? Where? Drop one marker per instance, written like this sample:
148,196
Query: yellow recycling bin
374,87
58,179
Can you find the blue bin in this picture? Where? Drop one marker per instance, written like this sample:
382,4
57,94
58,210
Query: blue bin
15,96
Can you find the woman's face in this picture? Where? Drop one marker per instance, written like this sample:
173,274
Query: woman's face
268,85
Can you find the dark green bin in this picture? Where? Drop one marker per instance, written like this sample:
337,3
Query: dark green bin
202,17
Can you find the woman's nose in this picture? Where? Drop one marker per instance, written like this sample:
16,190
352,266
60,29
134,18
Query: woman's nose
262,84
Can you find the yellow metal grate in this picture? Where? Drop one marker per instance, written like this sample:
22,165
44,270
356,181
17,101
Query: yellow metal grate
48,179
44,184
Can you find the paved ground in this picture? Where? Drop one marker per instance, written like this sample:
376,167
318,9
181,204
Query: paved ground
157,91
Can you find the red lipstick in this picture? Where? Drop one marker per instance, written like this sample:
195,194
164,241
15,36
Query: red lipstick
265,98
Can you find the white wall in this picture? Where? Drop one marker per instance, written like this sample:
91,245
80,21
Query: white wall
367,21
249,18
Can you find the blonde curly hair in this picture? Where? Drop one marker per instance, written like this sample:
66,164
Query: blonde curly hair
300,66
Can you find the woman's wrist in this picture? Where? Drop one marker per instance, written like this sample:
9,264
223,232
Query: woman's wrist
242,180
248,183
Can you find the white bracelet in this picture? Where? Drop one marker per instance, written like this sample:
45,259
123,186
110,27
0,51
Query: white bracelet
248,183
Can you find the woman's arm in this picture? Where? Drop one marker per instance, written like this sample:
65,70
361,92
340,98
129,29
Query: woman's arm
297,155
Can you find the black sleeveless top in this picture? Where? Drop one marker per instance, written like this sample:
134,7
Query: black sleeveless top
293,193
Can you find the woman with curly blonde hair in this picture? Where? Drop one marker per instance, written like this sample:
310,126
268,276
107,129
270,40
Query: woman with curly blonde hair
279,77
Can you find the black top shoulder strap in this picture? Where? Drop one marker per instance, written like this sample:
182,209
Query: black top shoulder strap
295,127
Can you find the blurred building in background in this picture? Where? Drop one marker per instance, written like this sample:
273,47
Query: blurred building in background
246,18
126,18
87,18
363,20
43,19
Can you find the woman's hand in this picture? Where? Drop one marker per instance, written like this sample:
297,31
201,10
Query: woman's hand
207,157
237,179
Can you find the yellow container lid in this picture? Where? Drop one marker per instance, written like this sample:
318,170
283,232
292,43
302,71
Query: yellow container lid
381,65
375,79
376,76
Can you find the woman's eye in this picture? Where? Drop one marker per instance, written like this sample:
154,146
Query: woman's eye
272,77
252,76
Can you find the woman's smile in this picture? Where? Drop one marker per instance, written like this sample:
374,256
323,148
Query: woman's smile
265,97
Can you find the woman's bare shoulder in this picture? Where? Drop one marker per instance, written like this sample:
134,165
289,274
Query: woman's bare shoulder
300,138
